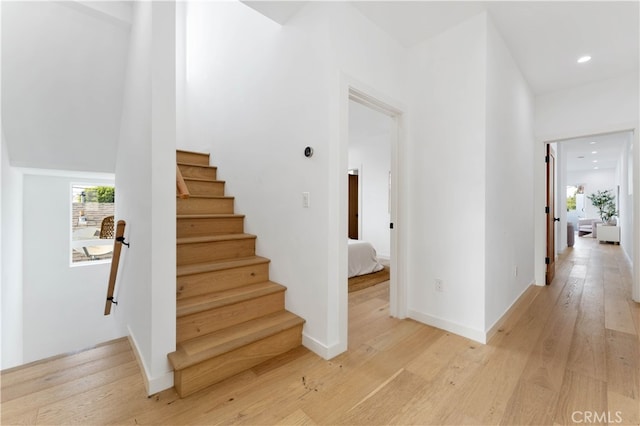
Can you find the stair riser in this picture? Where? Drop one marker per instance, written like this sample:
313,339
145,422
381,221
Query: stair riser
214,370
209,282
198,172
204,206
192,158
188,254
202,323
197,187
196,227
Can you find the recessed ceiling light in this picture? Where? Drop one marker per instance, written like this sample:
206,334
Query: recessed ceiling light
595,161
594,152
584,59
595,168
592,143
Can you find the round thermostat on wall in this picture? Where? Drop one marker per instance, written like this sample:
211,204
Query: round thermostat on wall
308,152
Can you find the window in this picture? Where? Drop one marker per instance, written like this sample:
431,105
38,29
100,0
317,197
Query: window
92,222
572,191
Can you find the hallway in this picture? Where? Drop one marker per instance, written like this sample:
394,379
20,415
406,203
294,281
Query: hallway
569,354
588,350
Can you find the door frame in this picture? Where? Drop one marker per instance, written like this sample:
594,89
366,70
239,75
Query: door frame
358,173
551,188
338,319
540,194
397,306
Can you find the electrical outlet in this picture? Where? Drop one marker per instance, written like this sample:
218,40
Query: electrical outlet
438,285
515,271
305,200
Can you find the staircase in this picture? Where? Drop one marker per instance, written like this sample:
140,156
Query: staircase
230,317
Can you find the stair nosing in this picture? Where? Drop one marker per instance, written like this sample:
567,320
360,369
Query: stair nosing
210,196
204,180
214,238
180,359
228,297
193,152
180,163
210,216
221,265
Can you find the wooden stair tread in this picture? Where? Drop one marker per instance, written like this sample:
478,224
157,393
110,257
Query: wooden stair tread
217,197
182,163
202,348
186,151
231,296
196,179
230,316
214,238
210,216
199,268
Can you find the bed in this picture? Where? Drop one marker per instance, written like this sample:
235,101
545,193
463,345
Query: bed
362,258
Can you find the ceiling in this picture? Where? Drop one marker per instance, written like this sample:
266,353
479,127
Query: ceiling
601,152
545,38
63,63
63,68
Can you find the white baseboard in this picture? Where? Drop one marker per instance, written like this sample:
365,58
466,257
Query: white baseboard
320,349
152,384
461,330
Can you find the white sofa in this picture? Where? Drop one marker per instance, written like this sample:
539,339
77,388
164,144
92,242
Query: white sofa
588,226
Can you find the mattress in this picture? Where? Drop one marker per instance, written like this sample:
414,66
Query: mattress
362,258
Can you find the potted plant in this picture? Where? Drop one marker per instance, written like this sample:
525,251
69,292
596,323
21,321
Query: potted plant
604,201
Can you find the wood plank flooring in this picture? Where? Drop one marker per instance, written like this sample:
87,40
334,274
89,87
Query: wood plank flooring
570,356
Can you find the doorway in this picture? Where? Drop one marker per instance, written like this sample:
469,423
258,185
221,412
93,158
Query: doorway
351,90
378,186
369,165
585,166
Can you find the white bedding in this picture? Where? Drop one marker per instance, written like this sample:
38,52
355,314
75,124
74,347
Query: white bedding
362,258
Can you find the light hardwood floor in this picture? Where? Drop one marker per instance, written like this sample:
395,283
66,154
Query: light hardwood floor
570,356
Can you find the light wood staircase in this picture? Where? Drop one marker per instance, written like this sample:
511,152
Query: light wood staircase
230,317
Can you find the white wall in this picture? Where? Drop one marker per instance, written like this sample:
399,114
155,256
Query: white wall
599,107
447,206
63,66
509,181
258,93
133,183
145,171
471,182
63,305
163,192
11,262
624,176
370,153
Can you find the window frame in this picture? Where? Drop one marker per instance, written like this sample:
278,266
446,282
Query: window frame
85,183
